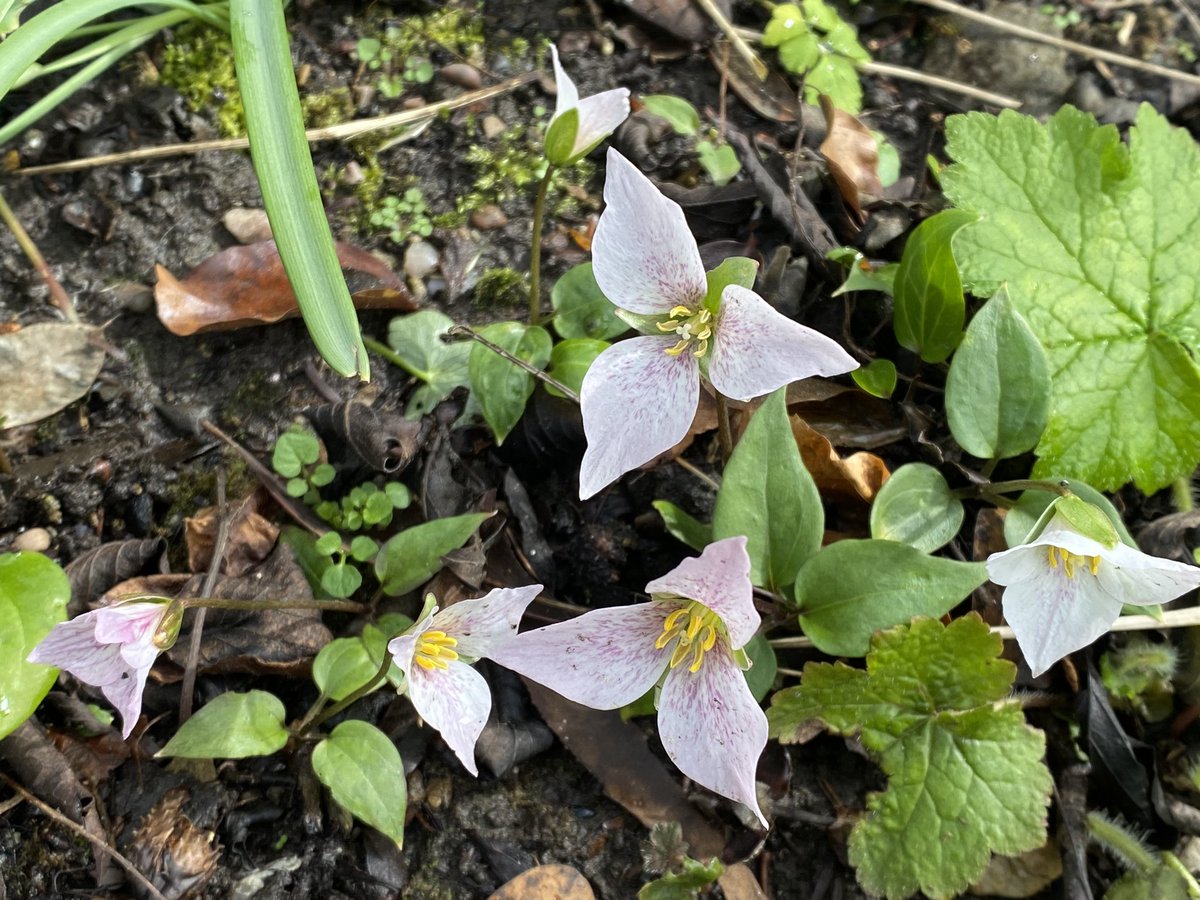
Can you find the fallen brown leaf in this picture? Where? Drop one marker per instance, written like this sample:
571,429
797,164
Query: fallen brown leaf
247,285
550,882
252,536
111,563
859,475
46,367
853,156
174,854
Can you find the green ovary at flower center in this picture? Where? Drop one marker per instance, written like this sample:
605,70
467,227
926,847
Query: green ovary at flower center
692,326
695,629
435,650
1070,560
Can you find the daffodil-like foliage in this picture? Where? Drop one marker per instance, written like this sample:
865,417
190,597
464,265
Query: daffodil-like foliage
1096,241
965,772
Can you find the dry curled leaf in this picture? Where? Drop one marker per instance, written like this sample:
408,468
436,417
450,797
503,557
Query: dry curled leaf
45,367
385,441
549,882
93,573
247,285
177,857
853,156
251,537
859,475
771,97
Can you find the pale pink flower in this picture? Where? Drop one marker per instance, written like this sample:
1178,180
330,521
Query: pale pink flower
597,116
699,618
113,648
640,395
435,656
1064,590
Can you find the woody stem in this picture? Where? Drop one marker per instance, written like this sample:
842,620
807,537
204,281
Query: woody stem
256,605
535,249
724,430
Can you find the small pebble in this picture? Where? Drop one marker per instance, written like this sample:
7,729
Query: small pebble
420,259
493,126
463,75
35,540
488,217
248,226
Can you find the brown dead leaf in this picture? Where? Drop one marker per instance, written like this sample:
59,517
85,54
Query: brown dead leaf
177,857
853,156
247,285
46,367
988,539
252,536
859,475
550,882
1021,876
771,97
99,569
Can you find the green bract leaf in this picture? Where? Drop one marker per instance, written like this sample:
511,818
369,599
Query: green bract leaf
33,599
414,556
1095,242
291,195
965,773
998,389
1087,519
417,341
363,770
342,667
915,507
930,309
580,308
500,387
719,161
1019,520
878,378
560,138
232,726
851,589
739,270
570,360
768,496
681,114
761,674
686,528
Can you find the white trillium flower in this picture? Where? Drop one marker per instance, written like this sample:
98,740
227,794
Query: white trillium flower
435,656
690,635
640,395
1064,590
596,117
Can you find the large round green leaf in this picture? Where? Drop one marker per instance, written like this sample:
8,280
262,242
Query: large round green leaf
33,599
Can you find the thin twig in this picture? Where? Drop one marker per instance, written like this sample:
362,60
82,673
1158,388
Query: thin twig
1188,13
1172,618
745,51
469,332
332,133
703,476
210,581
96,842
1118,59
58,296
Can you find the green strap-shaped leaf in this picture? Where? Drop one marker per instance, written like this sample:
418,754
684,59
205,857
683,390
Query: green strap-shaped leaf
365,774
930,310
998,389
283,163
768,496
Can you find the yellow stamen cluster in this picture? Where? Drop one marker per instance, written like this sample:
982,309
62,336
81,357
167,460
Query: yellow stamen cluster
1070,560
434,651
695,627
692,326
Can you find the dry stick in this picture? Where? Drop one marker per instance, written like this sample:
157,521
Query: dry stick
96,842
210,581
1119,59
467,331
1172,618
745,51
58,296
332,133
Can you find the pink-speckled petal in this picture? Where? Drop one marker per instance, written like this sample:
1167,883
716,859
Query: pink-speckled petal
568,94
712,727
637,402
72,647
455,701
403,647
125,694
720,579
643,255
481,625
1143,580
603,659
599,116
1053,615
757,350
127,623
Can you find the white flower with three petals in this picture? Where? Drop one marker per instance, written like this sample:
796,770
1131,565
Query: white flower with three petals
640,395
596,117
692,631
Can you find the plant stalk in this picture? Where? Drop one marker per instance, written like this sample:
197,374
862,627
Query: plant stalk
535,249
253,605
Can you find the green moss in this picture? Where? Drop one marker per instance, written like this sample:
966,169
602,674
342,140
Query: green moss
511,166
199,64
327,108
500,288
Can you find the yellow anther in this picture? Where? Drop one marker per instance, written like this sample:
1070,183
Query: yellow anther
694,630
680,312
673,618
694,327
677,349
1069,561
435,651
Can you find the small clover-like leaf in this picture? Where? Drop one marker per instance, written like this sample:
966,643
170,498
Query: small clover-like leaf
965,772
295,449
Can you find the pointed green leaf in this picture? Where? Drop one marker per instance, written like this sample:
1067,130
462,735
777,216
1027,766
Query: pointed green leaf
580,308
570,361
500,387
232,726
684,527
930,309
363,770
916,507
414,556
681,114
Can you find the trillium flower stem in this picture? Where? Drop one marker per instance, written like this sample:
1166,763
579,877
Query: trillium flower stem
254,605
724,431
318,714
995,488
1181,493
535,250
